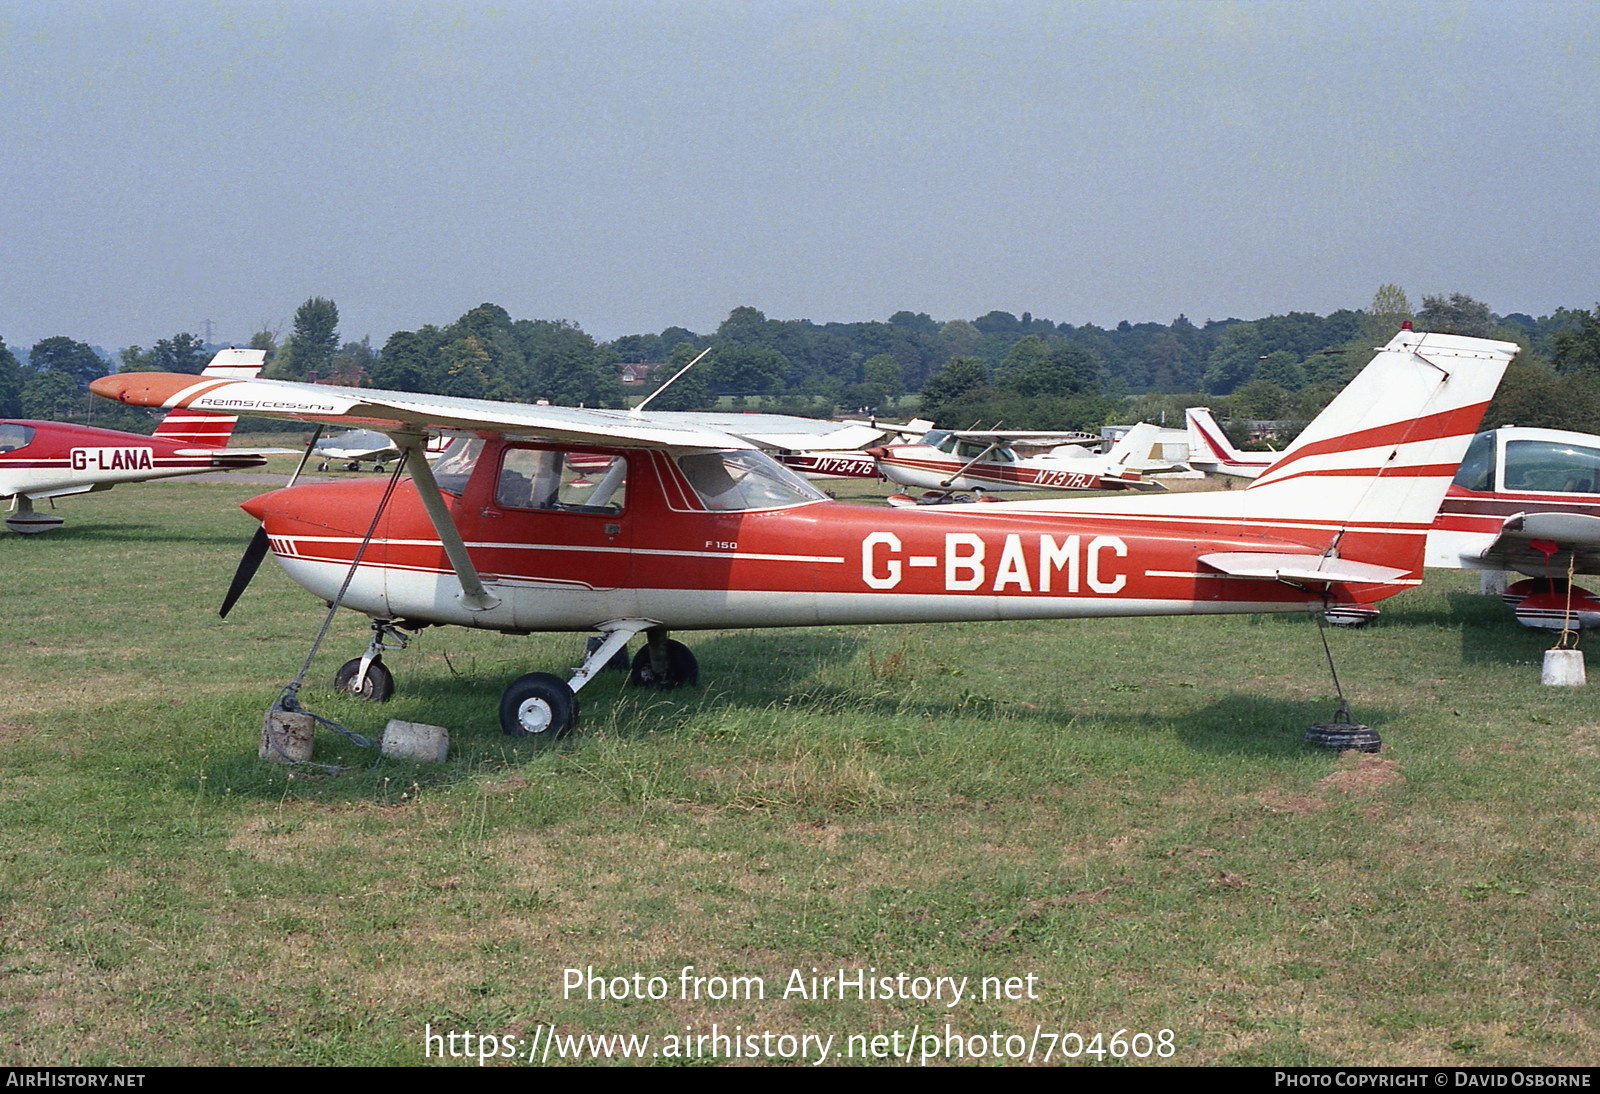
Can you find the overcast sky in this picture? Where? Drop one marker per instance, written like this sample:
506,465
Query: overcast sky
630,166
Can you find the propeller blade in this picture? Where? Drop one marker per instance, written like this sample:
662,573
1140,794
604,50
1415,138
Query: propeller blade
248,564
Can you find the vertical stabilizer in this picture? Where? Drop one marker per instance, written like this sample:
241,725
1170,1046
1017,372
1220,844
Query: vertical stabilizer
201,427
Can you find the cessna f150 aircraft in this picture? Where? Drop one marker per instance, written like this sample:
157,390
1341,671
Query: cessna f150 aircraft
54,459
966,459
687,529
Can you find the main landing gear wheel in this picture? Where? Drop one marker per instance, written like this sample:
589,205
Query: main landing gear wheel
377,687
677,667
538,705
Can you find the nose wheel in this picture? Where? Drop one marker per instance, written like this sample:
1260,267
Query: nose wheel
375,685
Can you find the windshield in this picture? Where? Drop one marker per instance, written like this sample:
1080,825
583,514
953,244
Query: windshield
745,480
1477,466
14,436
452,470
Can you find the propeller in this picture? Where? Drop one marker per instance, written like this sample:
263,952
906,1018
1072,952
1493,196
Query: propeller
256,549
249,563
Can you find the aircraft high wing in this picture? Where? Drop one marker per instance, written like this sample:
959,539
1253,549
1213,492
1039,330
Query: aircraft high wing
46,460
559,519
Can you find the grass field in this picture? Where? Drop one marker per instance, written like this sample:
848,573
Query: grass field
1121,810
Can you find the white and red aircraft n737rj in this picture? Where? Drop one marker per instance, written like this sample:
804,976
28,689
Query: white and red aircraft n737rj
968,459
684,529
41,460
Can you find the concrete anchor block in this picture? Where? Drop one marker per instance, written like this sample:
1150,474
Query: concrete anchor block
286,737
415,741
1563,669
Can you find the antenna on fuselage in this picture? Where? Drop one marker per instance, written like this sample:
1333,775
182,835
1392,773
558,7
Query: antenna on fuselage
643,402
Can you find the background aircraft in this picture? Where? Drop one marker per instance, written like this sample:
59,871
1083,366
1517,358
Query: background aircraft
1211,451
688,529
815,447
1527,500
968,459
47,460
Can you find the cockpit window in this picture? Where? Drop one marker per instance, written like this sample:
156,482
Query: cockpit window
14,436
452,470
574,482
1477,466
941,439
1556,467
745,480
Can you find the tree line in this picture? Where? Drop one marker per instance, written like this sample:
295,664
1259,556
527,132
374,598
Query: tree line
999,369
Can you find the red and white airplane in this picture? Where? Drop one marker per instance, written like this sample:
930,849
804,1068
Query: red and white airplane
965,459
1527,500
1211,451
41,460
688,529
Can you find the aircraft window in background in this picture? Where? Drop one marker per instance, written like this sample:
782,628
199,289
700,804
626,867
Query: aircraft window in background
14,436
1477,466
740,481
580,482
452,470
1552,466
940,439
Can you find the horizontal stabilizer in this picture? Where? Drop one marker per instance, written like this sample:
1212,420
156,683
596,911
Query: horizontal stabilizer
1537,543
1316,569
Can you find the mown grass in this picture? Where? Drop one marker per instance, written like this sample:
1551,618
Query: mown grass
1121,808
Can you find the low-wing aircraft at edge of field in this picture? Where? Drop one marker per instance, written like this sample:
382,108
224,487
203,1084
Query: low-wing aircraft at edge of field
687,529
43,460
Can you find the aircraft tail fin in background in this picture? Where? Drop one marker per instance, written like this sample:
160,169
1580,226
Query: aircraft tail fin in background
1132,451
204,428
1210,449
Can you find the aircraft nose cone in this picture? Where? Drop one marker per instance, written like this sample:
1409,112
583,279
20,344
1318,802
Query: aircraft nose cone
260,505
877,452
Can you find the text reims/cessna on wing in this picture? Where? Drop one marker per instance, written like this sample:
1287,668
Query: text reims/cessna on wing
41,460
684,529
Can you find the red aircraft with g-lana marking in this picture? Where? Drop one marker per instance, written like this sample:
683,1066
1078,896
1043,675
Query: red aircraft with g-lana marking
41,460
686,529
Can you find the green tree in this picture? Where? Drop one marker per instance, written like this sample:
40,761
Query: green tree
75,360
11,377
1577,350
956,381
690,391
50,394
1457,313
315,340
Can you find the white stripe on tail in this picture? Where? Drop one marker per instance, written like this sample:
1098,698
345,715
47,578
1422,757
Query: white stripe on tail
199,427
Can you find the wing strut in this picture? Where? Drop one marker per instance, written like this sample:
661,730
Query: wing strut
474,596
992,446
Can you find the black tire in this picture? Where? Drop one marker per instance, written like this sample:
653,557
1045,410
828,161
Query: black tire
682,669
378,686
1344,737
538,705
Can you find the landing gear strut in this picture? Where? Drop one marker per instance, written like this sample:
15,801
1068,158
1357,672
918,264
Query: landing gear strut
366,677
541,705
